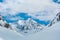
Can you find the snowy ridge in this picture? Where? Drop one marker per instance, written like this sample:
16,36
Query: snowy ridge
29,26
51,33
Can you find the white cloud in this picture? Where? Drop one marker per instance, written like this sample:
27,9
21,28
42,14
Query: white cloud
29,5
32,7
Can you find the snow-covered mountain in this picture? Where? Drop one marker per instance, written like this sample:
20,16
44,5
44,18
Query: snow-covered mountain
22,26
28,26
26,30
49,33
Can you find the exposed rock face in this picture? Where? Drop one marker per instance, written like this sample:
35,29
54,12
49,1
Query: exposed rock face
56,19
3,23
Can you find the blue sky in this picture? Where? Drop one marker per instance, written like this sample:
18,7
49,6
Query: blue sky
25,16
1,1
56,1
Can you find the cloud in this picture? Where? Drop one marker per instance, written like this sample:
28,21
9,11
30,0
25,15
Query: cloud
28,5
32,7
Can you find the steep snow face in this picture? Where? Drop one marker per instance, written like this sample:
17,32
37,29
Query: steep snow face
28,27
21,22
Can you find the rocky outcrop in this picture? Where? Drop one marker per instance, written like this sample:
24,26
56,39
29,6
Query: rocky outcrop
55,20
3,23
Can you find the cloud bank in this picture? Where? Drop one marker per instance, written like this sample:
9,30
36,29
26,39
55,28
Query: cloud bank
40,9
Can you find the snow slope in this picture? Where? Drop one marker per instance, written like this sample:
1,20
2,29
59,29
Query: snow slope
49,33
7,34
